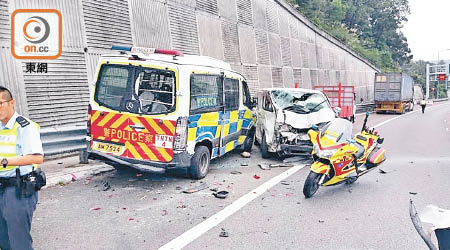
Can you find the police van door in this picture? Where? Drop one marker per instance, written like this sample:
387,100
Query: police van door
206,110
230,133
150,134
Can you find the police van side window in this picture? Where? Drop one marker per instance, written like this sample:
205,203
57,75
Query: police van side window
112,85
206,93
231,89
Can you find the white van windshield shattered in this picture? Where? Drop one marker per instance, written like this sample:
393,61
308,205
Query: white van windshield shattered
299,102
136,89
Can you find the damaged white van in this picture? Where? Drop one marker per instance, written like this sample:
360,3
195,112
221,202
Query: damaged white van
284,117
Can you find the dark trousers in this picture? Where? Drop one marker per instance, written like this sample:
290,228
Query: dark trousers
423,108
16,214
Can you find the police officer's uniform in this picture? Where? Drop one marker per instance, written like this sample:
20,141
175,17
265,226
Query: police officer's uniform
20,136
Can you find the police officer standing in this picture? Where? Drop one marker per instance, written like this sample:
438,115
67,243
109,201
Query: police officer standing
20,151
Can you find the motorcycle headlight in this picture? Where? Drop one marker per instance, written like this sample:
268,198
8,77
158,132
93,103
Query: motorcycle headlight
326,153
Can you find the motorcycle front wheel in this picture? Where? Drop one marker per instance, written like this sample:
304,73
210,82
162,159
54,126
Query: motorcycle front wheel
311,184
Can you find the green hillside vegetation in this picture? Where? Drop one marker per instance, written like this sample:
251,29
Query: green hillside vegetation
370,27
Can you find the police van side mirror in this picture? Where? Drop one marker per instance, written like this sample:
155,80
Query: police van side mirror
254,102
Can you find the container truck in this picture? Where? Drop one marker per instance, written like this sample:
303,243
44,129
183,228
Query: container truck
393,92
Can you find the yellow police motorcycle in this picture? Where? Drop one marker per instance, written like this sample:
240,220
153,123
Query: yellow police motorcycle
339,157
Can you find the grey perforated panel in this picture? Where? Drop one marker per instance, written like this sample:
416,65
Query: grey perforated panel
244,11
262,47
277,77
209,6
230,39
183,28
107,23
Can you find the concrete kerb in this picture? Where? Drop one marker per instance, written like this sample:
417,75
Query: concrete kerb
69,175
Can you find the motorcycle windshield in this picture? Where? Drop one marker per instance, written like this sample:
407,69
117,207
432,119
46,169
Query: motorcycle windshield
338,130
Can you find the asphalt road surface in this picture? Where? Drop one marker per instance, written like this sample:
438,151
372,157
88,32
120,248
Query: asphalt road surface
151,211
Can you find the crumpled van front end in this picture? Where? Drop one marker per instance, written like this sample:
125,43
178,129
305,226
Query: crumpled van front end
286,115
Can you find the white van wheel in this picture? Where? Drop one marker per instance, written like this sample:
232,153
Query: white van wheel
200,162
264,148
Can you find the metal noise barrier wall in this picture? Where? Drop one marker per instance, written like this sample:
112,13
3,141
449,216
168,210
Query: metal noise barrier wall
63,140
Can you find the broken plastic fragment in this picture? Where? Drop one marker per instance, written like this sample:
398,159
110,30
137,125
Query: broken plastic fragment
256,177
106,186
264,166
200,187
221,194
74,178
95,208
223,233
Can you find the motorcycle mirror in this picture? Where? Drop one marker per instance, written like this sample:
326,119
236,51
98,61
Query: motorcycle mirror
380,140
314,127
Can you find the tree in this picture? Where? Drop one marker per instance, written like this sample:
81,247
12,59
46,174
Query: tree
371,27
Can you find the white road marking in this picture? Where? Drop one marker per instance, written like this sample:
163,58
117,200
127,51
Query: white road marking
195,232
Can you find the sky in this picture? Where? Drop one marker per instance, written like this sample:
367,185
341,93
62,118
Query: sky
427,29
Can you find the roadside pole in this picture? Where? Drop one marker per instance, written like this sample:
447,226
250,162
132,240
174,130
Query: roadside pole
427,82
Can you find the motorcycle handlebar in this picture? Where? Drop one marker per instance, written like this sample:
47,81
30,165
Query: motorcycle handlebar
365,121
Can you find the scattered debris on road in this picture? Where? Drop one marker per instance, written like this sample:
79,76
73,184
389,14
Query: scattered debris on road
264,166
223,233
244,164
235,172
281,165
268,166
382,171
245,154
321,221
197,188
284,183
95,208
138,175
221,194
106,186
74,178
213,189
178,188
413,193
256,177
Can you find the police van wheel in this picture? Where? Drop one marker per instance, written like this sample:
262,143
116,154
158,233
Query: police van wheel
248,142
200,162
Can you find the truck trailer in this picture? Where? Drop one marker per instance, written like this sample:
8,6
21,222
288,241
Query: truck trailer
393,92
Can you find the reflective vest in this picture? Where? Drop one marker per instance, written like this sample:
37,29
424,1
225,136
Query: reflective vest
8,145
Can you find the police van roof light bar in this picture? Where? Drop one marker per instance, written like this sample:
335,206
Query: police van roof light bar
146,50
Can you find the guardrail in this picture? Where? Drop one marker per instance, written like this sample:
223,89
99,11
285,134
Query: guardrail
63,140
364,107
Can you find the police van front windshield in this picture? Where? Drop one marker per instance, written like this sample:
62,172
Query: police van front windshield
136,89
